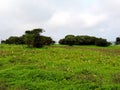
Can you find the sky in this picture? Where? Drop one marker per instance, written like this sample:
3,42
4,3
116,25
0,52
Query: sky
100,18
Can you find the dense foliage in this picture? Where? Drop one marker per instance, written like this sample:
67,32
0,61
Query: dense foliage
117,40
32,38
83,40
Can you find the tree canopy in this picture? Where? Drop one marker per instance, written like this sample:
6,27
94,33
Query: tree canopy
117,41
83,40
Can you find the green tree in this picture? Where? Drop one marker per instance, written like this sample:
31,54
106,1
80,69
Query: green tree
70,40
47,40
83,40
14,40
117,40
32,38
102,42
28,39
62,41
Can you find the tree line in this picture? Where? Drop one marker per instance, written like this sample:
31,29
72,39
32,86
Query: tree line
33,38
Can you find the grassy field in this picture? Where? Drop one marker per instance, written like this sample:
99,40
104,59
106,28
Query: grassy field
59,68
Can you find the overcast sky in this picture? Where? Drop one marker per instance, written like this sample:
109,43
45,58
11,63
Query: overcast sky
58,18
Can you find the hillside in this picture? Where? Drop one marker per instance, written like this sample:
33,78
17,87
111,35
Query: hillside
59,68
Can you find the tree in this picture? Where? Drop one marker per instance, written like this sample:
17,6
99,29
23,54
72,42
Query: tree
32,38
37,41
62,41
102,42
14,40
47,40
34,31
3,41
83,40
70,40
28,39
117,40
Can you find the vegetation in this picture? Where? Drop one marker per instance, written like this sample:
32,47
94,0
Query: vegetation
31,38
59,68
117,41
83,40
102,42
14,40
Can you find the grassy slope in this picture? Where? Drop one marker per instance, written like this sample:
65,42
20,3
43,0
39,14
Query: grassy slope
59,67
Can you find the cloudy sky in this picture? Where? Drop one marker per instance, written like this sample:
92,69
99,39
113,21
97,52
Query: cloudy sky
58,18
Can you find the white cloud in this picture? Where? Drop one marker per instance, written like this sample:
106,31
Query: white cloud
91,20
59,19
74,19
4,5
111,7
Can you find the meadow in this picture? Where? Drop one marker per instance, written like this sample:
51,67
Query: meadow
59,67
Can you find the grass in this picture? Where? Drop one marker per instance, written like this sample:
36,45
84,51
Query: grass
59,68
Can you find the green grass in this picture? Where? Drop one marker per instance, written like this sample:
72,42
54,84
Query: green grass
59,68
